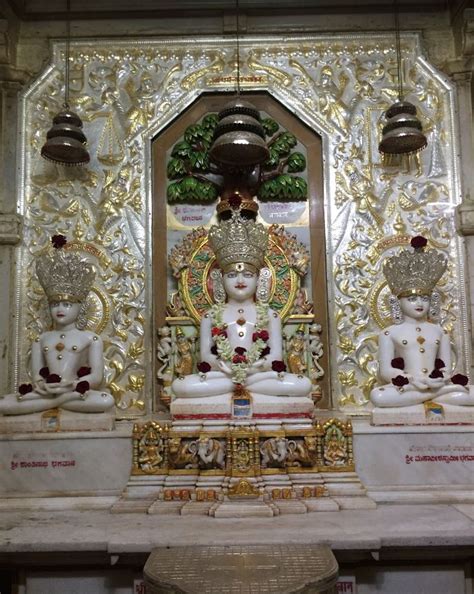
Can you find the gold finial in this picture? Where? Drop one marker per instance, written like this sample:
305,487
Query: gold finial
399,225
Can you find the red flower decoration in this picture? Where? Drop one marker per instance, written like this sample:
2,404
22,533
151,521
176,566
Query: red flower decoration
261,334
418,242
58,241
265,352
235,201
398,363
460,379
203,367
239,359
25,388
53,378
400,381
439,364
435,374
82,371
240,350
218,332
278,366
214,350
82,387
44,372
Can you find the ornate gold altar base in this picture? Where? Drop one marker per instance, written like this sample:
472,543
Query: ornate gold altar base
243,469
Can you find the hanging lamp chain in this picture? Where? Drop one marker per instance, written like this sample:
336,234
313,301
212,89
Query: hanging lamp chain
68,52
238,44
399,50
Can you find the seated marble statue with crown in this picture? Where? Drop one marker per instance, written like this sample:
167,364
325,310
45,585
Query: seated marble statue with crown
414,353
67,363
241,372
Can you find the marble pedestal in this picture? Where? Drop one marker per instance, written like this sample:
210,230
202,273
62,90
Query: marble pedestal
60,470
55,420
415,464
212,408
424,414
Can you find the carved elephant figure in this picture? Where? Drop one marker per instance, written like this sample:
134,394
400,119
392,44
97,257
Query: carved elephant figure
302,452
182,454
211,453
274,451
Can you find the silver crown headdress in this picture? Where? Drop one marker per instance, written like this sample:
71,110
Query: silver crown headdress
239,240
64,276
414,273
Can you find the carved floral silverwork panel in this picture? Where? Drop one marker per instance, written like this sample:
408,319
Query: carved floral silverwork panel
127,91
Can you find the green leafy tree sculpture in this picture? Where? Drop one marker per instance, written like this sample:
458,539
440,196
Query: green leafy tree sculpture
194,180
277,183
189,167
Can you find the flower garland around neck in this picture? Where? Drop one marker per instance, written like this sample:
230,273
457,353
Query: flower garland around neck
240,359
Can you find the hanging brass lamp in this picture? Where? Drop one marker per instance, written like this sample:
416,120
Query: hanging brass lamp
65,141
239,138
403,132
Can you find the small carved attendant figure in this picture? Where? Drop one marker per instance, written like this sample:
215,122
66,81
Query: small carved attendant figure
184,355
296,357
415,353
67,364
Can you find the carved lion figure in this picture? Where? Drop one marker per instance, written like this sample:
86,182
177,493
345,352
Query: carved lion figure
302,452
182,454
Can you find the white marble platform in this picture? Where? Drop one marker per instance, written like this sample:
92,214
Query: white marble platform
389,526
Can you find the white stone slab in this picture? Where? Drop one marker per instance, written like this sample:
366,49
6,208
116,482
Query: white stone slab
424,457
89,464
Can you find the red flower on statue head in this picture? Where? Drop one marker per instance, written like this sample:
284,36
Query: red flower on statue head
398,363
439,364
25,389
58,241
265,352
82,387
82,371
240,350
53,378
278,366
460,379
400,381
235,201
44,372
436,374
203,367
418,242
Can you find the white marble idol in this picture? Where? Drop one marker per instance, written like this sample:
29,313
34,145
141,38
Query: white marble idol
66,363
415,353
241,336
